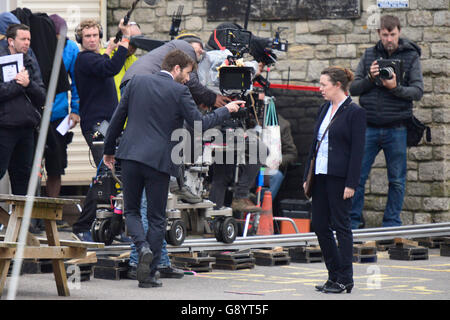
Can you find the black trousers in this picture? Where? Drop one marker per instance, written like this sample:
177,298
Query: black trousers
16,156
224,175
135,177
331,212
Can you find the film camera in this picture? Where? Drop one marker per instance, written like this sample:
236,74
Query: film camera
390,66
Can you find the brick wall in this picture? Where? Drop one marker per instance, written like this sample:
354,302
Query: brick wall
315,45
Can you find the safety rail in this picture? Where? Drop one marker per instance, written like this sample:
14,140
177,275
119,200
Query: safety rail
297,239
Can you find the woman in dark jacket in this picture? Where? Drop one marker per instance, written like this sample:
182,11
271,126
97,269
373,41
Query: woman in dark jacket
336,175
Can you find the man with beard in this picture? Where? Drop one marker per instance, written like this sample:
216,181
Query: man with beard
154,106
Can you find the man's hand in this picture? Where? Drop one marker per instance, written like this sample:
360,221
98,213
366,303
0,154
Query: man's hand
109,161
348,193
126,29
374,69
111,46
390,83
235,105
23,78
221,101
74,118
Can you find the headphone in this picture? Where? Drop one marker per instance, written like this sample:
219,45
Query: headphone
78,31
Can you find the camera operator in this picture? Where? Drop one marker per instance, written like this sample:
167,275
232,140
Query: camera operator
224,174
150,63
94,76
192,45
388,103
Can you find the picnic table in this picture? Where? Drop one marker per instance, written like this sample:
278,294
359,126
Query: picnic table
50,210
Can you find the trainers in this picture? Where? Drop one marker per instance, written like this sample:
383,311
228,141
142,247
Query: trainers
171,272
244,205
132,272
186,195
83,236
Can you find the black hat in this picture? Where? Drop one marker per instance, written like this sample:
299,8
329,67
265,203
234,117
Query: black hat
189,37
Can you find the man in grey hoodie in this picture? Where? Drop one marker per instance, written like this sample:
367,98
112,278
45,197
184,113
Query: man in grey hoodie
389,104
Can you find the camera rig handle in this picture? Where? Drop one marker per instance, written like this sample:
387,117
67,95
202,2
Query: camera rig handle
126,19
176,21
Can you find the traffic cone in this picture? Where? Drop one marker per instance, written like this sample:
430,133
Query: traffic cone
265,226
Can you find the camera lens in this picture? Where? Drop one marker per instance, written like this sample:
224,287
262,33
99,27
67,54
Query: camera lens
386,73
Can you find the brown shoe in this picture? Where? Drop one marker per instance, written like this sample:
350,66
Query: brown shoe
244,205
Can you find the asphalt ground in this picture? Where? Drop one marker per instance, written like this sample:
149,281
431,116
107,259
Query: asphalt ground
385,279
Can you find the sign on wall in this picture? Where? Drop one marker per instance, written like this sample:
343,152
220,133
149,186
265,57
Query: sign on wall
278,10
392,4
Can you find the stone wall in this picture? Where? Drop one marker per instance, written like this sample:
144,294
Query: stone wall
317,44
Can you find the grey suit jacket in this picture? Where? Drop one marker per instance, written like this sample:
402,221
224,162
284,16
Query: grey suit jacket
155,106
151,62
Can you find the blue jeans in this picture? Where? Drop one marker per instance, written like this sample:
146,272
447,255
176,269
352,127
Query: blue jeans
393,143
134,256
276,179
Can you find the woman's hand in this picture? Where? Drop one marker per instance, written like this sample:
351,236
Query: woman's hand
348,193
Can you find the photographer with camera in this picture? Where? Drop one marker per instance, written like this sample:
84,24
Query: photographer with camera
388,78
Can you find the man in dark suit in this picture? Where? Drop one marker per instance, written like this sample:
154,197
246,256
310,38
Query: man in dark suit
155,105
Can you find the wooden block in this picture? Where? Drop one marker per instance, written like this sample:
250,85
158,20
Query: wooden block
239,266
112,262
303,254
33,266
273,261
445,250
110,273
403,242
383,245
91,257
364,250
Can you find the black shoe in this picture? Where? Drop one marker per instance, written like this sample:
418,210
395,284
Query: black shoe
151,281
325,285
338,288
171,272
143,267
132,272
186,195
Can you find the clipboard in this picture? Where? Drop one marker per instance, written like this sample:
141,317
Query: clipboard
10,66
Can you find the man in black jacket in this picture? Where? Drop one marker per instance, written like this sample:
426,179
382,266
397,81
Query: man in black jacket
94,76
155,105
388,103
21,100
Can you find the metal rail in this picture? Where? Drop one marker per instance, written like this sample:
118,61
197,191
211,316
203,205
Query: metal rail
286,240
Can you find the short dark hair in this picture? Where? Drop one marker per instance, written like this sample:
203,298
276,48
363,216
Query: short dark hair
177,57
11,31
339,74
389,22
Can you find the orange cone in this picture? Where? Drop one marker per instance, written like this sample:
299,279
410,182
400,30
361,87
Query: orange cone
265,226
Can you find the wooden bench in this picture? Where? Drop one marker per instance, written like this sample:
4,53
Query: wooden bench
50,210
